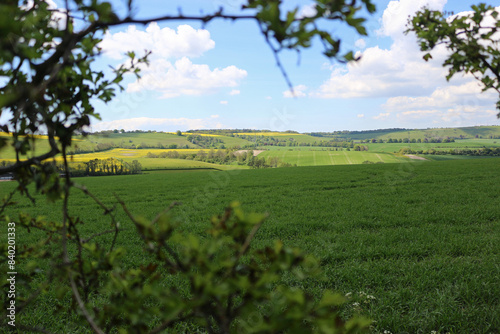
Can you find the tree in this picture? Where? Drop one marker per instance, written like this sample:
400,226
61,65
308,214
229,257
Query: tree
471,39
179,132
47,56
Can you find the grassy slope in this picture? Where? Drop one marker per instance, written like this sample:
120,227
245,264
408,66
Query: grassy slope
419,237
153,138
460,144
318,158
467,132
166,139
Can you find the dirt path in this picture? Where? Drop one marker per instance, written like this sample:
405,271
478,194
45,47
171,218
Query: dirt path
255,152
348,160
378,156
331,158
415,157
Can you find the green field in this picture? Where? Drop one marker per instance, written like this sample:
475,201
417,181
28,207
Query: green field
422,238
458,144
467,132
316,156
325,158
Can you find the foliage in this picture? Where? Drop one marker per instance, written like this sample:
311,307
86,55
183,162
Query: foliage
489,152
472,40
205,141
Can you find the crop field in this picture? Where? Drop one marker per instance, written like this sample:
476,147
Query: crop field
129,155
458,144
150,139
42,146
325,158
421,238
466,132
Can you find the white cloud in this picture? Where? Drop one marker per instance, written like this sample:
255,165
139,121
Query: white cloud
163,42
307,11
381,116
234,92
467,94
223,102
268,98
298,91
360,43
388,72
171,72
413,87
396,15
361,116
185,78
159,124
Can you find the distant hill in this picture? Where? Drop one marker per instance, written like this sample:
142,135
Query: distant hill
485,132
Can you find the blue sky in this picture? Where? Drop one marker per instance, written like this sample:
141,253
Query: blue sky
223,75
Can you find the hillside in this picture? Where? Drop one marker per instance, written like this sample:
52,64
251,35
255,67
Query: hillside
302,149
485,132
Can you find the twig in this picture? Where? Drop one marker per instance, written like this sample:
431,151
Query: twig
170,207
97,235
74,288
7,201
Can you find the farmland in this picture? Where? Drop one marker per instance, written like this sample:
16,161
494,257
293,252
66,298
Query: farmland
290,147
420,237
325,158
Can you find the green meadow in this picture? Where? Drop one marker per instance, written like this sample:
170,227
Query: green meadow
130,146
414,246
458,144
325,158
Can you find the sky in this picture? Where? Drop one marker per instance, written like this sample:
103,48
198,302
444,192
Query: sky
223,75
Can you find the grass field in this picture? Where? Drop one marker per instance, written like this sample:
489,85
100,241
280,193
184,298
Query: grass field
458,144
322,158
467,132
150,139
422,238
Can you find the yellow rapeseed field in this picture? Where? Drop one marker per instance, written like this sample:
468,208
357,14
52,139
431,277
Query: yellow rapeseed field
5,134
267,134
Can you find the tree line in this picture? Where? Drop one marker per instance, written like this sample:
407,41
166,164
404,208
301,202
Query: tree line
486,151
102,167
224,157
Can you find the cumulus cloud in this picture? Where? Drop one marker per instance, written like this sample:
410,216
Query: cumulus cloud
413,88
234,92
159,124
466,94
360,43
223,102
381,116
163,42
185,78
389,72
361,115
171,71
298,91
